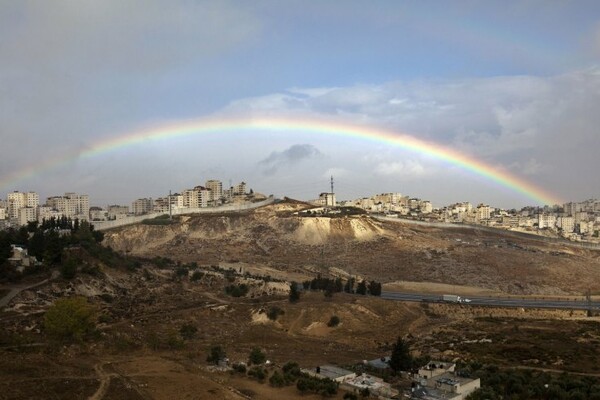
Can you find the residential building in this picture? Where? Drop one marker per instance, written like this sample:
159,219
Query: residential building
98,214
566,224
216,191
142,206
71,205
117,212
483,212
239,189
327,199
3,213
26,215
450,383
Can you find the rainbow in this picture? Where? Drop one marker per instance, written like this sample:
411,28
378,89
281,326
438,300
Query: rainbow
291,124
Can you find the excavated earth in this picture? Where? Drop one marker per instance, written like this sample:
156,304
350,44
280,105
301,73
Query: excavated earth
275,237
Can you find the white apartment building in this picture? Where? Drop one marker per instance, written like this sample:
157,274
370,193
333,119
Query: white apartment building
18,200
239,189
567,224
546,221
27,214
571,208
426,207
2,213
483,212
196,198
142,206
98,214
216,190
71,205
327,199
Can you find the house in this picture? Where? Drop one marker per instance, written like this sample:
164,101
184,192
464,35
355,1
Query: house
332,372
376,386
435,368
447,385
20,258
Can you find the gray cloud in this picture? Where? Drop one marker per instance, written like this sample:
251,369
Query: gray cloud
292,155
541,127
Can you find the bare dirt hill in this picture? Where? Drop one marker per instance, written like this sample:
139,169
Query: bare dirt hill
274,236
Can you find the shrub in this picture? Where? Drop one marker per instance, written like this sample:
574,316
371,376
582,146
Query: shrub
274,312
70,318
257,356
277,380
215,354
259,373
333,321
196,276
237,290
188,331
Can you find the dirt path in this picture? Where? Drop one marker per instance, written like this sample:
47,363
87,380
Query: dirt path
558,371
15,290
104,381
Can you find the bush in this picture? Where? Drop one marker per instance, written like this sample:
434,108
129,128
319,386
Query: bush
237,291
68,269
196,276
215,354
277,380
333,321
239,367
188,331
274,312
257,356
259,373
70,318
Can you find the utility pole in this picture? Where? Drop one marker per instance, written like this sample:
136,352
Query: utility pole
332,184
170,211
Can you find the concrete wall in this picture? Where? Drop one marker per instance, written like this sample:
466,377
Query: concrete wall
524,235
104,225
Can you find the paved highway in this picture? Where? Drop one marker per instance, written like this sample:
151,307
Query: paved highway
540,302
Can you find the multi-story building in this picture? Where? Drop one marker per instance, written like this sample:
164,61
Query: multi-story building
98,214
71,205
216,191
327,199
239,189
546,221
26,215
571,208
566,224
426,207
117,212
142,206
16,201
483,212
2,213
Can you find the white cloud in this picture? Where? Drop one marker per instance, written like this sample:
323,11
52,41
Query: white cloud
405,169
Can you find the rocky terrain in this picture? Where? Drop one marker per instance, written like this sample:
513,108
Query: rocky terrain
178,275
275,237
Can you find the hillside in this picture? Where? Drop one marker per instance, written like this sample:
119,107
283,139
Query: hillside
273,237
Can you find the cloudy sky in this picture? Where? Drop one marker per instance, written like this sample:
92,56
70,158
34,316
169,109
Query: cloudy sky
515,85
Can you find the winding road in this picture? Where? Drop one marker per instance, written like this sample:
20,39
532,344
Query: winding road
540,302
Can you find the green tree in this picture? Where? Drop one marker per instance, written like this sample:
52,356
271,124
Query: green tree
375,288
54,248
333,321
400,360
68,269
70,319
361,288
188,331
294,293
215,354
5,247
257,356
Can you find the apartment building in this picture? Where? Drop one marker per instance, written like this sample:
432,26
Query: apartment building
71,205
216,190
142,206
